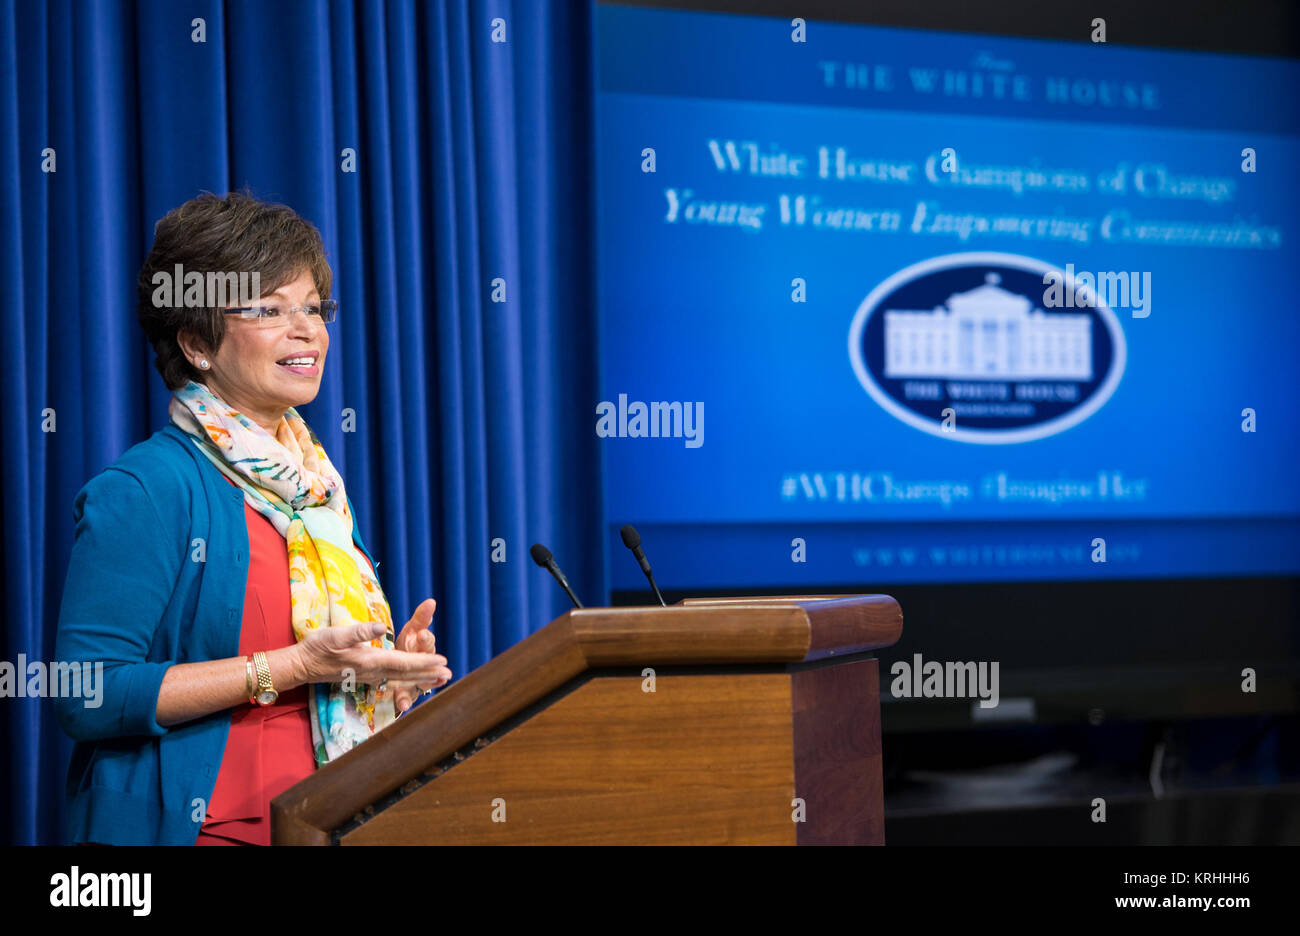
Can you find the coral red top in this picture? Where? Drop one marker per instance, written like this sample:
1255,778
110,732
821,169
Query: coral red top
269,749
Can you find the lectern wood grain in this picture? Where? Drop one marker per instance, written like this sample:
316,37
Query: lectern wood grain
837,753
701,760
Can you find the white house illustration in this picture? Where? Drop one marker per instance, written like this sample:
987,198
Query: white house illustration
988,333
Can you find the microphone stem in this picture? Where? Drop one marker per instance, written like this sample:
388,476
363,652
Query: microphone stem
651,577
564,583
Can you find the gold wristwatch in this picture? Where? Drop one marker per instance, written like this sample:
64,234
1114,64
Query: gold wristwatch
265,693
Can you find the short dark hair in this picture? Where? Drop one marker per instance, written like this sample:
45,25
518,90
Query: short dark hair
210,234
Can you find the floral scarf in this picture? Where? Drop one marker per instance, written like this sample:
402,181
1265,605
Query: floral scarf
288,479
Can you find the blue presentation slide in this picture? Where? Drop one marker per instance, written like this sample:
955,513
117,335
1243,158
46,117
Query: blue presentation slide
892,306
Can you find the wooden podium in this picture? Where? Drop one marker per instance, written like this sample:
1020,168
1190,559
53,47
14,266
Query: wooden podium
713,721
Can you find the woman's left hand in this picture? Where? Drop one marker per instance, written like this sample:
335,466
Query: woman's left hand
416,637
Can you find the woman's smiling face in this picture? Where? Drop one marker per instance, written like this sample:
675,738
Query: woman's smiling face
263,369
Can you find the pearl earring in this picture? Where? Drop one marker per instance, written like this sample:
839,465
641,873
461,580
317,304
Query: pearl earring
203,364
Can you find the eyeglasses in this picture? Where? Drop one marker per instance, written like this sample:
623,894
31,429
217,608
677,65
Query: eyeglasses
277,316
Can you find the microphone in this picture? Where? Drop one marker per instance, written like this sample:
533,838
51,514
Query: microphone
632,540
542,556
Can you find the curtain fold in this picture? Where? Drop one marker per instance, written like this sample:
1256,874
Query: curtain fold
458,422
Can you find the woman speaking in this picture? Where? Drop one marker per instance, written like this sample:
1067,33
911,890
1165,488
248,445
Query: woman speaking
217,571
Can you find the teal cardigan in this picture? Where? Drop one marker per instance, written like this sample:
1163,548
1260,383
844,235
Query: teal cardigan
156,577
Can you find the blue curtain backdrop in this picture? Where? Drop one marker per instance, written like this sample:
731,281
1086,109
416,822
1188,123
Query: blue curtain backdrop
473,418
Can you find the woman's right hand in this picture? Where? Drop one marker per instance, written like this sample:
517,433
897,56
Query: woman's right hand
330,654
